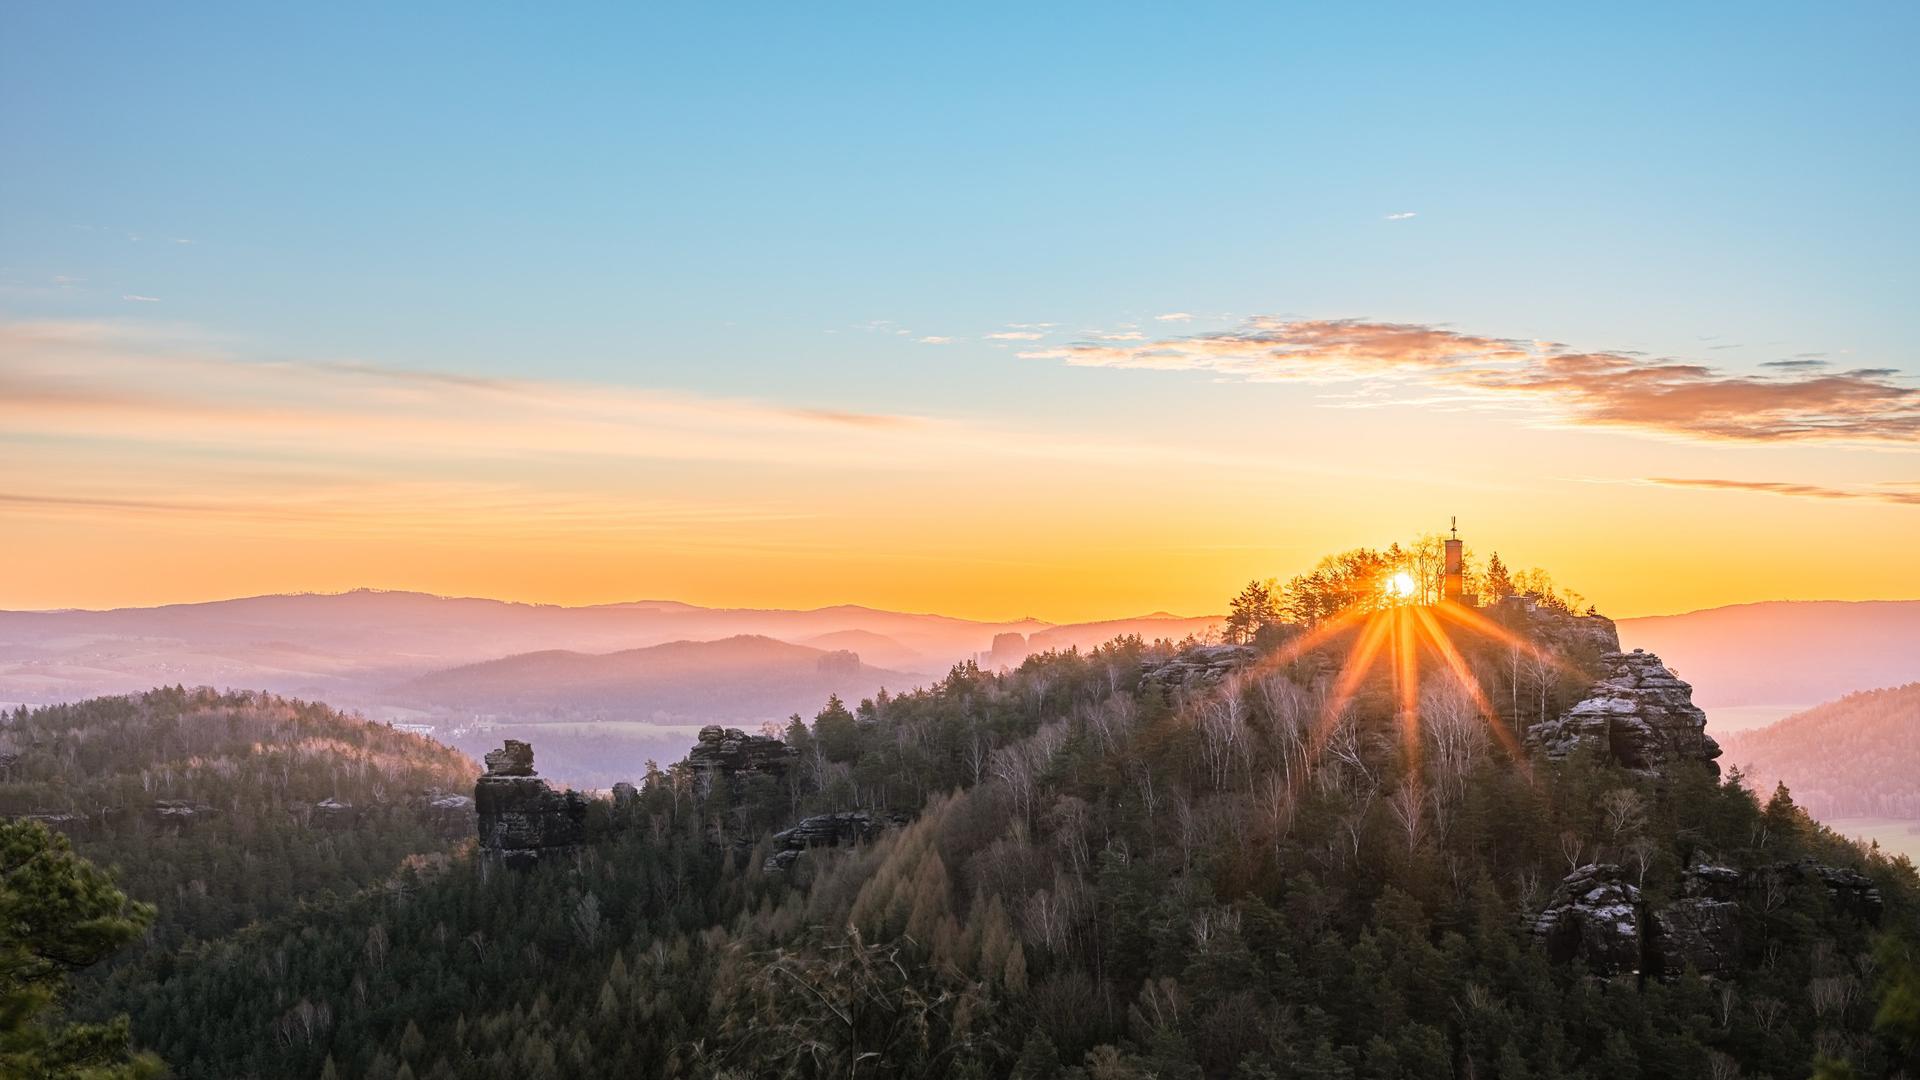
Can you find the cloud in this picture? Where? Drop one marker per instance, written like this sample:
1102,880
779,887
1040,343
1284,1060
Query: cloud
1402,215
1805,491
1617,389
934,339
1016,335
1175,316
1795,365
117,383
140,299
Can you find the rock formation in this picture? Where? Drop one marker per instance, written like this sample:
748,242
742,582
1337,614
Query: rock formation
521,818
1198,668
732,752
448,813
825,830
1701,929
331,813
1849,890
1639,714
1595,917
1562,630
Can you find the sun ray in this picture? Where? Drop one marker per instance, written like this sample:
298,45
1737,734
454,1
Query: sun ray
1406,657
1437,635
1480,624
1359,661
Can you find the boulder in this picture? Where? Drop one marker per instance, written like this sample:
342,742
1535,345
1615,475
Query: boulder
521,819
624,794
1639,714
1595,917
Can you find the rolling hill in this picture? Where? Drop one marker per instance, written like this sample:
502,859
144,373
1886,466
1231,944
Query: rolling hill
1855,757
742,679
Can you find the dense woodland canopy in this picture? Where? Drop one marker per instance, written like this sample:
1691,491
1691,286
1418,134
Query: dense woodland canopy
1103,875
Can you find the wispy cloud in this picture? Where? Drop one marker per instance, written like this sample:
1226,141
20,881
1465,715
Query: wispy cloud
1619,389
1402,215
1016,335
140,299
935,339
1804,491
1175,316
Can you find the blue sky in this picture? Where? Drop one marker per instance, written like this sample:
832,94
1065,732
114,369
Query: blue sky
780,203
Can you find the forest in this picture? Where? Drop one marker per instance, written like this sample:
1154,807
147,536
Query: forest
1104,871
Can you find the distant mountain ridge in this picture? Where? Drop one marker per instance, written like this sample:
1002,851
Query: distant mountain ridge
1785,652
740,677
350,647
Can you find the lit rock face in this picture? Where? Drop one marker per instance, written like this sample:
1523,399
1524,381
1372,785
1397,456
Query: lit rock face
1200,667
1639,714
521,818
1565,632
1595,917
825,830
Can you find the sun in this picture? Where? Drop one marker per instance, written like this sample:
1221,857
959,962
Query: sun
1400,585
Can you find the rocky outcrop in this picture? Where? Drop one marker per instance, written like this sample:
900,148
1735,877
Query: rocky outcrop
1701,929
447,813
1595,917
1197,668
1598,918
1848,890
624,795
1557,628
521,819
732,752
331,813
826,830
1639,714
178,814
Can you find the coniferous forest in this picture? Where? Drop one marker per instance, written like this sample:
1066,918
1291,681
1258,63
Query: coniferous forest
1265,860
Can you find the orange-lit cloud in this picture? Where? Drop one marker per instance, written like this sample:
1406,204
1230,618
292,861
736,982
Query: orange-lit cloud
1899,495
1868,405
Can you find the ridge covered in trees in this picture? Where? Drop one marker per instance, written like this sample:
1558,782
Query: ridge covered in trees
1114,866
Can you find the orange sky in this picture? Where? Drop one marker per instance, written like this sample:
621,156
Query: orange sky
145,467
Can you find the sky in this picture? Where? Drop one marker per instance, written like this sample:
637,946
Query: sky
1071,311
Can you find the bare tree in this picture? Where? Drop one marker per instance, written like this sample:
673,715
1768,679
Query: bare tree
1408,806
1572,848
1624,811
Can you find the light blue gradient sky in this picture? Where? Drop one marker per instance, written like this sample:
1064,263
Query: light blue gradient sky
753,201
